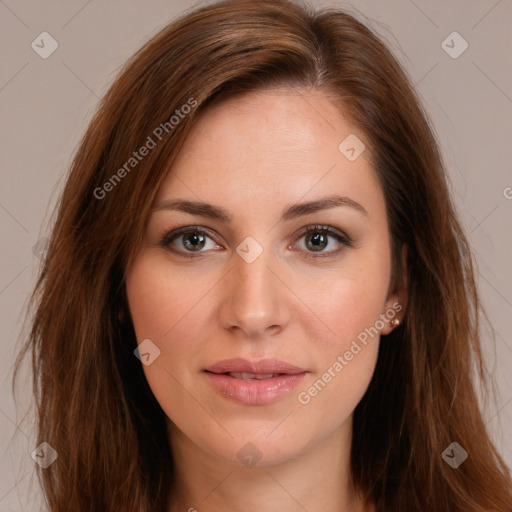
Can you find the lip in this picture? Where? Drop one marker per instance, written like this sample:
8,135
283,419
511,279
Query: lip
254,391
261,366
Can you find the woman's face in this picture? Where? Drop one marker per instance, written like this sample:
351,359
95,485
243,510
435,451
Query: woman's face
267,334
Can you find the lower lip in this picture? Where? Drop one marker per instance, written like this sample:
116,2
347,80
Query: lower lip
255,391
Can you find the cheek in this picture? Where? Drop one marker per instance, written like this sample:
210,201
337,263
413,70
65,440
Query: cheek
157,311
345,361
351,301
347,355
166,307
163,303
350,306
162,315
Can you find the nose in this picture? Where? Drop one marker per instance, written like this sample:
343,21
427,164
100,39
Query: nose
255,300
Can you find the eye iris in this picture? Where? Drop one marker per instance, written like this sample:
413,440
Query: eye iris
319,241
196,239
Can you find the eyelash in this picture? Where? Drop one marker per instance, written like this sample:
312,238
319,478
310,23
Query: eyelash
169,236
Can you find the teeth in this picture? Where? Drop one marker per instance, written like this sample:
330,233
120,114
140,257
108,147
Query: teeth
259,376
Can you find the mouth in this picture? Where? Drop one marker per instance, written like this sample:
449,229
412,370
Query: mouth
254,382
241,368
249,376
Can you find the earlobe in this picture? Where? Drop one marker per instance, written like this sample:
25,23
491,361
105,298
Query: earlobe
392,315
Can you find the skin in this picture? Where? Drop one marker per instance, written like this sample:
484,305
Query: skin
254,155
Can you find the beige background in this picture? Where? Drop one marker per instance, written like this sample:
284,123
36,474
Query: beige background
47,103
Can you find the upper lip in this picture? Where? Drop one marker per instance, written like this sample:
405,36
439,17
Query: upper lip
263,366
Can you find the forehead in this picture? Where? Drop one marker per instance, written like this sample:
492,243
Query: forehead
271,147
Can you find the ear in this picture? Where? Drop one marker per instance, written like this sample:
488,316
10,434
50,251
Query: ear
396,302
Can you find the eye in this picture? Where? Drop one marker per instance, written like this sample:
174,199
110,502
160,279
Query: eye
193,239
190,239
317,238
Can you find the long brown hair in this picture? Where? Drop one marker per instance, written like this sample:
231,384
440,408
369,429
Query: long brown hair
94,406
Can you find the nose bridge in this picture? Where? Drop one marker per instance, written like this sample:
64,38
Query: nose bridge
255,300
253,276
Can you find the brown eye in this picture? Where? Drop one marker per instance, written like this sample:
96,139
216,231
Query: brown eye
185,241
318,238
317,241
193,241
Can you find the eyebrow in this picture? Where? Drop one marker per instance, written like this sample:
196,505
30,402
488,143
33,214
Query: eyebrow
291,212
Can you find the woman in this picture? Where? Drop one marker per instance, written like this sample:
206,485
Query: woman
257,294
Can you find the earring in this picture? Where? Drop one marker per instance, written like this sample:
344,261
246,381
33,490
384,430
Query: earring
395,322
